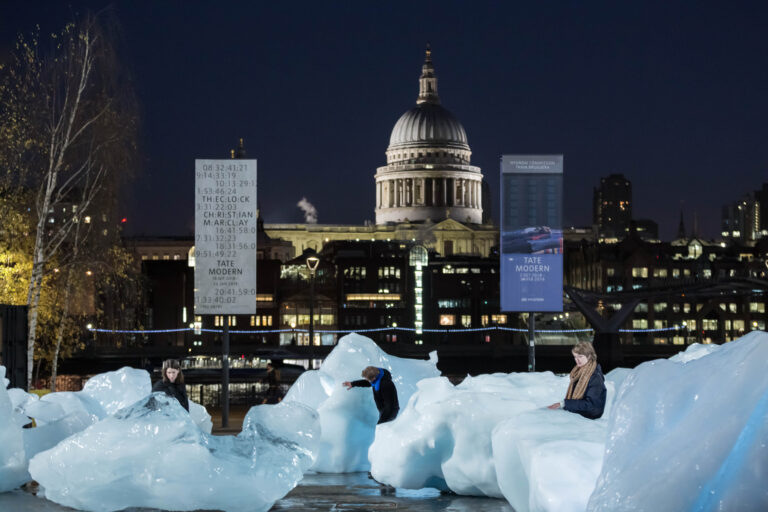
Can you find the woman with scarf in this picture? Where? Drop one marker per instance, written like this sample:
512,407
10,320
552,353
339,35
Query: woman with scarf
586,391
384,392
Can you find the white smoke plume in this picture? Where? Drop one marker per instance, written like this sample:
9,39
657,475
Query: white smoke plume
310,212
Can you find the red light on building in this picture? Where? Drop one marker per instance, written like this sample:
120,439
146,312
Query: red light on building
124,220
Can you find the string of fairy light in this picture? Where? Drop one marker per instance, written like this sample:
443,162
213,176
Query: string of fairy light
379,329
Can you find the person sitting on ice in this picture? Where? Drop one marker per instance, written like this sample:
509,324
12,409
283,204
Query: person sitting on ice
172,383
384,392
586,391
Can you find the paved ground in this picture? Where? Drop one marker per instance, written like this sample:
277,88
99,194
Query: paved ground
350,492
235,424
356,492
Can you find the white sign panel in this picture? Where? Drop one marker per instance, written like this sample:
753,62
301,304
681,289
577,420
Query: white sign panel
225,237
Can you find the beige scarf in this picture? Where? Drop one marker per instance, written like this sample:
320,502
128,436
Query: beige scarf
579,380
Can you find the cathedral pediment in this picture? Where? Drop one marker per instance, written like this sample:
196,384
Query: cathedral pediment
450,225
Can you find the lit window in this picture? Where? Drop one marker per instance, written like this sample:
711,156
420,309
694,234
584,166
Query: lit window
447,319
466,320
499,319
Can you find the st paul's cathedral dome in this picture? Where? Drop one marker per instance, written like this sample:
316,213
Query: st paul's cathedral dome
428,175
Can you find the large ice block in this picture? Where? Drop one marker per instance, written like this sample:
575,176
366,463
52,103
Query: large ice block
443,437
13,462
548,460
348,417
118,389
690,435
151,454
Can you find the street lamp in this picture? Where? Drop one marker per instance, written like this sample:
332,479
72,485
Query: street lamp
312,263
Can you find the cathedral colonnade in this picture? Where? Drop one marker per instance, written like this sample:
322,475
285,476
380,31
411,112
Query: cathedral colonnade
438,191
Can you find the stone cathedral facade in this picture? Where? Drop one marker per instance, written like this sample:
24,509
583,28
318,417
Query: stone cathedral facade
428,191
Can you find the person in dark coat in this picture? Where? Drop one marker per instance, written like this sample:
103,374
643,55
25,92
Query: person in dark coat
274,391
172,383
586,390
384,391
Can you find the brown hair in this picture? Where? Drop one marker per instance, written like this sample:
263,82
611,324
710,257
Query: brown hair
370,373
173,363
585,348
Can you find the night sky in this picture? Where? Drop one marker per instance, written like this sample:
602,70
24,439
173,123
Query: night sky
673,95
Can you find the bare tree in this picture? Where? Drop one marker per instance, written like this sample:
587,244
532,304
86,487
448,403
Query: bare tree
82,131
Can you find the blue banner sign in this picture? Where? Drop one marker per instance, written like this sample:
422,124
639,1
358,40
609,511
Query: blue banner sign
531,233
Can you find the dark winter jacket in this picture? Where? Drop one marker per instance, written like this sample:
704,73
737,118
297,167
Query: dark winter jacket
274,391
593,403
177,391
385,397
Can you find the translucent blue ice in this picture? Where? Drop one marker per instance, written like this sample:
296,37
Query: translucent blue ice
348,417
151,454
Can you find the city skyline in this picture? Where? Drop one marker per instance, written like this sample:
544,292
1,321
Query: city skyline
668,96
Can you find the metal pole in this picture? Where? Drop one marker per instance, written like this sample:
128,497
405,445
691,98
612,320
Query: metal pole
311,316
531,341
225,375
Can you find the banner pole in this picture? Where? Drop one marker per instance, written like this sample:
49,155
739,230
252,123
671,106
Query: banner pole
531,342
225,375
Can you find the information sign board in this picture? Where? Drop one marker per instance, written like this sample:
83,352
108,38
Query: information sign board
225,237
531,233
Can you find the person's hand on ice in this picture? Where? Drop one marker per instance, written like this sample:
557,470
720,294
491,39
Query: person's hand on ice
555,405
347,384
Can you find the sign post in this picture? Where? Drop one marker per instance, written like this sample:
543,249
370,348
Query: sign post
531,237
225,248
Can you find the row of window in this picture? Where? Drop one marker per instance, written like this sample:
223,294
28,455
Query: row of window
706,324
448,320
686,307
448,269
255,320
174,257
663,273
420,154
294,320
